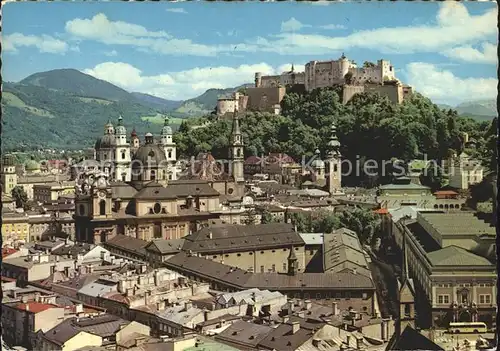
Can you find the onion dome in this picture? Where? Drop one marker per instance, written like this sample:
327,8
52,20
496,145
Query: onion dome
120,129
133,134
166,130
318,162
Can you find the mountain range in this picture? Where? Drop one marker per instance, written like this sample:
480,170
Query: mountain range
66,108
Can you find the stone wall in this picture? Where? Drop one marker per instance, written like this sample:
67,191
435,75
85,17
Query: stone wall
264,99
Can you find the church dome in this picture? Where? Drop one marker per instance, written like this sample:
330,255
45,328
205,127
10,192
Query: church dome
149,154
166,130
318,162
107,141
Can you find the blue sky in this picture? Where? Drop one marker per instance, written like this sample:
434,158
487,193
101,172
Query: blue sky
447,51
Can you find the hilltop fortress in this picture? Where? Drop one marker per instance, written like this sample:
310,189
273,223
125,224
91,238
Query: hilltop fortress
268,91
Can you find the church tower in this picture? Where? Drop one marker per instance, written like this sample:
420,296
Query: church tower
236,151
169,148
406,294
8,176
334,173
122,153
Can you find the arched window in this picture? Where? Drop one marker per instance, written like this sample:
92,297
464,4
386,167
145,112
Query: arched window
123,155
169,153
238,153
153,175
124,177
102,207
81,208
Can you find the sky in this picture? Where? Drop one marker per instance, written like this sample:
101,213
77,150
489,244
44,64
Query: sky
177,50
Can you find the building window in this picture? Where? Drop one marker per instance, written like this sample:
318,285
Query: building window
347,295
169,154
262,269
273,268
123,155
284,267
407,309
102,207
157,208
81,209
153,175
238,255
485,298
311,252
443,299
215,257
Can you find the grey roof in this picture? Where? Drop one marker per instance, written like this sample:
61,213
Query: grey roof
312,238
230,237
154,191
165,246
104,326
76,249
454,256
128,243
180,315
97,288
244,334
79,281
122,190
457,223
282,338
236,277
410,186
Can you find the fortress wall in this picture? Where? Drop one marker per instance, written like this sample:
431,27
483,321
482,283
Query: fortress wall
263,99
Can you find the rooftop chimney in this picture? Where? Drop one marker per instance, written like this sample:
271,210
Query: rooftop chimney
286,319
295,327
308,304
188,305
359,343
335,309
301,314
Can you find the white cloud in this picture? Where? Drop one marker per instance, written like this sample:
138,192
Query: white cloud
333,26
321,2
444,86
44,43
101,29
111,53
183,84
446,33
292,25
177,10
75,48
470,54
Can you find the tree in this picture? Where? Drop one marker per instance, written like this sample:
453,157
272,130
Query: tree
432,176
250,218
364,222
266,217
20,197
325,222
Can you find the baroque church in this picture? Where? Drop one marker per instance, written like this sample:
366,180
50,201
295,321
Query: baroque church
135,189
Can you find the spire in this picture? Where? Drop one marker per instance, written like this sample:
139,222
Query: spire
293,69
166,122
236,128
120,120
333,144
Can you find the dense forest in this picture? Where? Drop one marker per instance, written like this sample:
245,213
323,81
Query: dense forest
368,127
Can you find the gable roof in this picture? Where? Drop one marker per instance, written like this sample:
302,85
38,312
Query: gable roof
453,256
410,339
165,246
231,237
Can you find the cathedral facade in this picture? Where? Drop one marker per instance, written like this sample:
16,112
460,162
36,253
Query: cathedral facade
133,189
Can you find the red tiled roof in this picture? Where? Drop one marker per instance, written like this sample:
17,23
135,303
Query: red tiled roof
381,211
445,192
34,307
7,251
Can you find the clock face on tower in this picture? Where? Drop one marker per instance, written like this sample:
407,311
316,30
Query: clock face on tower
102,194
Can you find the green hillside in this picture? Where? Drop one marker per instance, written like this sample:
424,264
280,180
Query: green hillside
77,83
35,117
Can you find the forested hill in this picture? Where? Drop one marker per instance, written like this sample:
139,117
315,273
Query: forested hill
75,82
369,127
